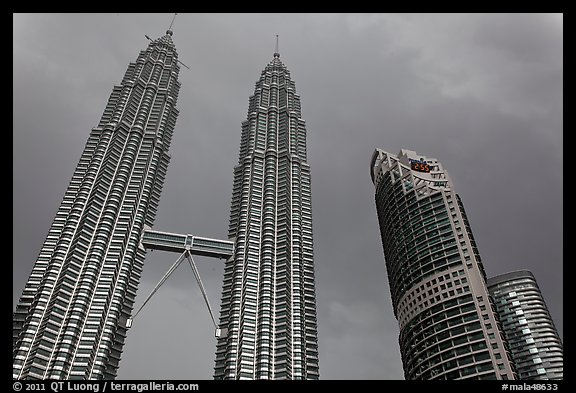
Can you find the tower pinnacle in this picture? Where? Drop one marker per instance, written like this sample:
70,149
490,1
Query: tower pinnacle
276,53
169,31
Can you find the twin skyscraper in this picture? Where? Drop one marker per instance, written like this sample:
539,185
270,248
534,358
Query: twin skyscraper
74,313
75,310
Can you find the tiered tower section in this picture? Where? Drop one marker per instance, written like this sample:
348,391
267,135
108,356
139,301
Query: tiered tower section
70,320
268,299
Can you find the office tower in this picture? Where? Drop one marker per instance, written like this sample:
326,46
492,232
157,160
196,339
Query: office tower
534,342
448,329
70,320
268,307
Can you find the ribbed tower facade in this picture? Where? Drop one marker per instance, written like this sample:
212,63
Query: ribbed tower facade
534,341
268,306
70,320
448,327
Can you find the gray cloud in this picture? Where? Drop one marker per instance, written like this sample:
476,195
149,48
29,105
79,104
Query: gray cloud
480,92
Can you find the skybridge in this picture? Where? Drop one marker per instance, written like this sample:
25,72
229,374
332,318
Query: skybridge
186,245
197,245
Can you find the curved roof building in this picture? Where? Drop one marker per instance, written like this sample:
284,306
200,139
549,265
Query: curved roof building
534,341
448,329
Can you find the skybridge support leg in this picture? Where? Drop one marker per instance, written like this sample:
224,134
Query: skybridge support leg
162,280
188,255
197,275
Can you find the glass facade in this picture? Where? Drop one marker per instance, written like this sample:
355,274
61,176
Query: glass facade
70,320
534,341
268,306
448,327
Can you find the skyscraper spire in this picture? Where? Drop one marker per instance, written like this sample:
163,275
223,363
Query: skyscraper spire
276,52
169,31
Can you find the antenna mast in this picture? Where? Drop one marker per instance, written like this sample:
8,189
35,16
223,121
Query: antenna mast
276,53
174,17
169,31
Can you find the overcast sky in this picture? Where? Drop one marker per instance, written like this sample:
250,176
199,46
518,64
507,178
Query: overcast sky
482,93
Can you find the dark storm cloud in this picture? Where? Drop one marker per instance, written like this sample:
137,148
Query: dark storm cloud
481,93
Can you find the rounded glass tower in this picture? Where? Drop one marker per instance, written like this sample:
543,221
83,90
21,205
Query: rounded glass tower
448,329
534,342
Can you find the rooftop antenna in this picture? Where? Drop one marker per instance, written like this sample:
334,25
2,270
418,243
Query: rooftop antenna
276,53
171,23
169,31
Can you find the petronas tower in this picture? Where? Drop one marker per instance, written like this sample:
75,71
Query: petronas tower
72,318
268,307
70,322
